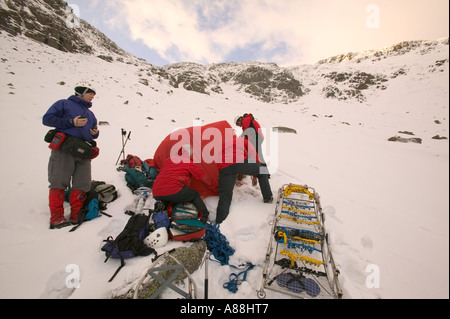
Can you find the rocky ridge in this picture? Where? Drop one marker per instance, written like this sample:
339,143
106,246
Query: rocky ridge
52,22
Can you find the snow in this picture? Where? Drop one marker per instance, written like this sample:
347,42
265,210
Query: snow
386,203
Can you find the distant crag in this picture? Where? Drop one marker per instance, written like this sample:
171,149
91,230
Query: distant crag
52,22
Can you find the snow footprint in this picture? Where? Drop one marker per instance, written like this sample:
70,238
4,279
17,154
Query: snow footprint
366,242
59,286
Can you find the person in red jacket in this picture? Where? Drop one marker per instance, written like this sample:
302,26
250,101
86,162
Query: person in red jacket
172,182
251,130
239,157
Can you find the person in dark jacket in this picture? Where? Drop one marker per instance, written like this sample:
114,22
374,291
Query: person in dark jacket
172,182
72,117
239,157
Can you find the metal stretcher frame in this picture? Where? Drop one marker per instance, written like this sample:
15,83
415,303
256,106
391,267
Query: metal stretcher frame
303,194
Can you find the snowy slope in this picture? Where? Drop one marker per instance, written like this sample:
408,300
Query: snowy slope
386,203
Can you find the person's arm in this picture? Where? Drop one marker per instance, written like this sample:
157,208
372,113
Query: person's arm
202,176
54,117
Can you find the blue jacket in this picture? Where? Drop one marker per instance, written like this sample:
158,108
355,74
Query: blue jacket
61,114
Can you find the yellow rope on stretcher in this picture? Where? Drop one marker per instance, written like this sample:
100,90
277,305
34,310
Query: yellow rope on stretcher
307,241
283,234
298,189
298,210
300,239
306,260
297,220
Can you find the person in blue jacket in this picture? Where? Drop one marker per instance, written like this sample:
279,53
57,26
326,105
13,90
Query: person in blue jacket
72,116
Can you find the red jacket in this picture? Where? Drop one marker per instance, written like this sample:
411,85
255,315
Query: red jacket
247,123
174,176
236,151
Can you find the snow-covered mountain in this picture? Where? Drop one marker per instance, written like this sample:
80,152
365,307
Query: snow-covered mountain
386,203
53,23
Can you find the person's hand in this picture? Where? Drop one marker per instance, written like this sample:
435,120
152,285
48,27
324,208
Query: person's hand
94,130
80,121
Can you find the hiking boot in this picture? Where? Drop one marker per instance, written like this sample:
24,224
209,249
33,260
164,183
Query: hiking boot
56,205
60,224
268,200
73,221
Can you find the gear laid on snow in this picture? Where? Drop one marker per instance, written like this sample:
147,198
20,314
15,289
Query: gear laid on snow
157,239
218,244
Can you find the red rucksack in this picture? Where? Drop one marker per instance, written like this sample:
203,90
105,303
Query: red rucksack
131,161
185,224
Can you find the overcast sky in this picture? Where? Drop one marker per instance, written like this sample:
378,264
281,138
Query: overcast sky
287,32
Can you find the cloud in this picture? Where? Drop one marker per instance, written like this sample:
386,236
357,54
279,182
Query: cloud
288,32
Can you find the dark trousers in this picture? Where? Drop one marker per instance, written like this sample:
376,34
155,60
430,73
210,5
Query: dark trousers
65,170
186,195
227,179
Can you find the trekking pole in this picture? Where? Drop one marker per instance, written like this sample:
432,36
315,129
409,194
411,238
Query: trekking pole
123,145
206,275
124,132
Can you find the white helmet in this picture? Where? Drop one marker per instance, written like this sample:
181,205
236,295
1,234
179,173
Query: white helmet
84,87
157,239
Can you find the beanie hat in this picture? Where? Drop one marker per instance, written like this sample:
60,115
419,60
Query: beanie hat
84,87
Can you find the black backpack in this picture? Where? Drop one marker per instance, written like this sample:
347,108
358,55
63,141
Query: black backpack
130,242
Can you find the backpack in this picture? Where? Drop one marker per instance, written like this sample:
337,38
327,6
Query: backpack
185,224
187,230
148,167
183,211
130,242
91,205
131,161
135,178
107,193
160,219
90,208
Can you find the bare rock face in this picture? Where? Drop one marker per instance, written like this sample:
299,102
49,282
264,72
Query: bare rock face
52,22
